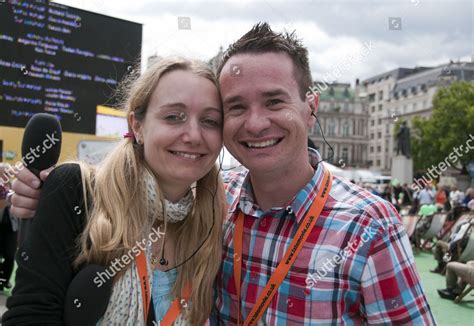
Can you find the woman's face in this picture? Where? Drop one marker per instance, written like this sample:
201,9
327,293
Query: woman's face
182,128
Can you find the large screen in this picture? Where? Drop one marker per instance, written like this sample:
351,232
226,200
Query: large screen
63,61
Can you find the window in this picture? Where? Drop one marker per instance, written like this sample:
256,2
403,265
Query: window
372,122
373,108
372,136
345,129
386,129
380,121
414,106
332,128
377,163
380,95
379,149
345,155
372,97
380,107
379,135
371,149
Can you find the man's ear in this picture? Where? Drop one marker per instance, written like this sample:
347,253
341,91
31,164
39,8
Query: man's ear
315,103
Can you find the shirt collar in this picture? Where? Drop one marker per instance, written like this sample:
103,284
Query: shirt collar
298,205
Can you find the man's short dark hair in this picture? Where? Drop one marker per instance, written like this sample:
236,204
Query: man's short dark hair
261,39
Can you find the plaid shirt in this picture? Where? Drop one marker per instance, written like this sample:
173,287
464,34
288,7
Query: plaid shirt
356,267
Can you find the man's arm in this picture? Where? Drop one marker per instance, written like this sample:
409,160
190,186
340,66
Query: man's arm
45,258
27,188
391,289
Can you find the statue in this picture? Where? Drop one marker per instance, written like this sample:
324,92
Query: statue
403,140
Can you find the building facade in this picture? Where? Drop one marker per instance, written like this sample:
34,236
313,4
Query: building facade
343,117
402,94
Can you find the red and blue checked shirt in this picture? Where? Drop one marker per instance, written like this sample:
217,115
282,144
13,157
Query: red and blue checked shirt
356,267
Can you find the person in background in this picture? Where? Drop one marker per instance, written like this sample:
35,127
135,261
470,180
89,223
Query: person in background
8,232
456,197
442,197
458,275
426,196
469,195
445,251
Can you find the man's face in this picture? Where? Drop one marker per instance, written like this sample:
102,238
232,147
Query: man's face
265,120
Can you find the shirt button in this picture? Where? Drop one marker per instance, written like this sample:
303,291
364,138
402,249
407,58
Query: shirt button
307,291
263,222
289,210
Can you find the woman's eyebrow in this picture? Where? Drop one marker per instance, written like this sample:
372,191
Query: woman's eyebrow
177,105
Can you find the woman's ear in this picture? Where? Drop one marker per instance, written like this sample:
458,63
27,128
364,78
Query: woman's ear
136,127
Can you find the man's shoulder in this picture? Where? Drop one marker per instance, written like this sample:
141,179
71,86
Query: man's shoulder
359,202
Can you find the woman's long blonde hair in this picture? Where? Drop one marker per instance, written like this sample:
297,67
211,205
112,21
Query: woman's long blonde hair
118,216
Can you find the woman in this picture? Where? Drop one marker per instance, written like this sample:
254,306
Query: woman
175,124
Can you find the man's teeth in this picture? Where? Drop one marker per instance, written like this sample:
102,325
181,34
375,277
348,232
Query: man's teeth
267,143
186,155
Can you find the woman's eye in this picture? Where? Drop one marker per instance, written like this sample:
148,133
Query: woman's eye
211,122
175,117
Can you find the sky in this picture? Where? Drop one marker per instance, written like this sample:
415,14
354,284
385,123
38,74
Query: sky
346,39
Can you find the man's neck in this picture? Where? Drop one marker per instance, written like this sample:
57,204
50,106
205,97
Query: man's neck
277,189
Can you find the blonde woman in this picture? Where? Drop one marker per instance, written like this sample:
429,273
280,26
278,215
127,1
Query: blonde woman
163,177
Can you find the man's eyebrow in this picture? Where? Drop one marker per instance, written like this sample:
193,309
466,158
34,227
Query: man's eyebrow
232,99
275,92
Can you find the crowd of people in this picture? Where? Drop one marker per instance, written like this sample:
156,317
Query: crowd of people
446,251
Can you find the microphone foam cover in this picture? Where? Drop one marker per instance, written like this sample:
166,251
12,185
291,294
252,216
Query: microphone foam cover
87,296
41,144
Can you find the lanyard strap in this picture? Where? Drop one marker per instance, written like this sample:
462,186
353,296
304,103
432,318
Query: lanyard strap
289,258
175,307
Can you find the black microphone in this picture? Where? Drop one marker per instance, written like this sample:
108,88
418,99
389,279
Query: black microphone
40,150
87,296
41,144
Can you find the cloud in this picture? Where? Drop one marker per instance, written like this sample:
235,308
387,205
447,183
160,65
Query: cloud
432,31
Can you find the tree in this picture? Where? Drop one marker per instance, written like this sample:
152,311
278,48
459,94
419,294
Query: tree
449,127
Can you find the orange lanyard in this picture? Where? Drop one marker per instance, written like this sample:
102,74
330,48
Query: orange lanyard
289,258
175,308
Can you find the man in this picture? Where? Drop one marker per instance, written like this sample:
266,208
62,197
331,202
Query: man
264,81
458,275
426,196
457,242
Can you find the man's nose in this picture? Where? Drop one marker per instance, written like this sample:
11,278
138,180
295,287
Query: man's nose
257,121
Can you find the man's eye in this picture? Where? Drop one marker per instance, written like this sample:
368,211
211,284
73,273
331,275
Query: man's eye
236,107
274,102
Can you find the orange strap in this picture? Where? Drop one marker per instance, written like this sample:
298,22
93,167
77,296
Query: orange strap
289,258
175,308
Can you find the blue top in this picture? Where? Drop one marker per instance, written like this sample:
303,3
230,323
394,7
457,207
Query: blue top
163,283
